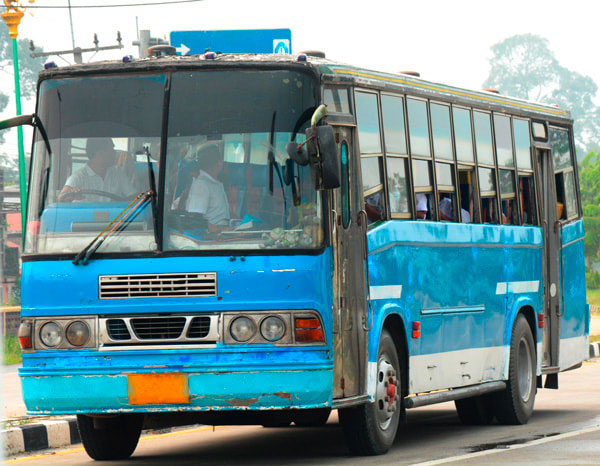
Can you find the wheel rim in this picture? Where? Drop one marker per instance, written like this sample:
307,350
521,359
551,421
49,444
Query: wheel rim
386,400
525,370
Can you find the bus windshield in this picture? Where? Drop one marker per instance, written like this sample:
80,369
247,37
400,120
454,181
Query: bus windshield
228,183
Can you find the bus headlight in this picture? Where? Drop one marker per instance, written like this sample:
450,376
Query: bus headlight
272,328
51,334
78,333
242,329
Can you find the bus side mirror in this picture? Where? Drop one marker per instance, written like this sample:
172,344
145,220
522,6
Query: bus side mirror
323,157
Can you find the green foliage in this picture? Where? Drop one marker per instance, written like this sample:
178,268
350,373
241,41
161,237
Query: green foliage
524,66
592,279
11,351
592,237
589,182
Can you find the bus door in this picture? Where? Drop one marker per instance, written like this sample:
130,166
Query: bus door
349,240
552,252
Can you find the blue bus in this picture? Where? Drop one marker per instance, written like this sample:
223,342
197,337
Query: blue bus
243,239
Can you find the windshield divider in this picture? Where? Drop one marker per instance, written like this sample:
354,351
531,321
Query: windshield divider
162,164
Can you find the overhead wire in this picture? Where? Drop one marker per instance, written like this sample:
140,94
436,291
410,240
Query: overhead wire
112,5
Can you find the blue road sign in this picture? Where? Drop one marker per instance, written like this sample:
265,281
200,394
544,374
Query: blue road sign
236,41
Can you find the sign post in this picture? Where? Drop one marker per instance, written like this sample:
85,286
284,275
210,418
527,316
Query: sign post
234,41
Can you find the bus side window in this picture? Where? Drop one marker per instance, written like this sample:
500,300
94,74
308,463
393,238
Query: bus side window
447,192
467,202
487,187
566,194
423,189
527,200
508,195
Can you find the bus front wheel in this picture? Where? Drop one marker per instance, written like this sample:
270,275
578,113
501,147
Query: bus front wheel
370,429
110,438
514,405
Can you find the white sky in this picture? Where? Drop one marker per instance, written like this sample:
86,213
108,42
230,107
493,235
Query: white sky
446,41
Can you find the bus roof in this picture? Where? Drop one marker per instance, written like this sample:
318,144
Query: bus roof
330,72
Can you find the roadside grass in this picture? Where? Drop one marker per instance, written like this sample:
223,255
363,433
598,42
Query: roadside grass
594,338
593,297
11,351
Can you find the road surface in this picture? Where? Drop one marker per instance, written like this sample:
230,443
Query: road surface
564,429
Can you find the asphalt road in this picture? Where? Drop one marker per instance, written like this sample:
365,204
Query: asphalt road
564,429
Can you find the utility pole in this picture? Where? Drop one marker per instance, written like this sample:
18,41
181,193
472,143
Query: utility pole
78,51
145,42
12,17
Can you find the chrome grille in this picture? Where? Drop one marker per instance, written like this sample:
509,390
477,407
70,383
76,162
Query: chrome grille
165,285
161,328
199,327
139,332
117,330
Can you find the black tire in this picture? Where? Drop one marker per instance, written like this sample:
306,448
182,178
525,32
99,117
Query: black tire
475,411
312,417
514,405
113,438
370,429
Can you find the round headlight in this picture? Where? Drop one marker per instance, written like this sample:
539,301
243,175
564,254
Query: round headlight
272,328
242,329
51,334
78,333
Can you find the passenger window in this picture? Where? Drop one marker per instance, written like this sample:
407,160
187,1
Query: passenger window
423,186
336,100
418,128
487,187
421,173
393,124
373,188
423,203
527,200
483,138
522,144
371,172
375,207
508,195
447,192
570,195
345,185
462,134
398,185
367,116
559,140
442,136
566,194
467,189
503,137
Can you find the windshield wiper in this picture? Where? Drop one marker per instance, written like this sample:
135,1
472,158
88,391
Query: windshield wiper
118,224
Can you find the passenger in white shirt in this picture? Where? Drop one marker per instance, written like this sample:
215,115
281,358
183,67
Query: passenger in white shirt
207,195
99,174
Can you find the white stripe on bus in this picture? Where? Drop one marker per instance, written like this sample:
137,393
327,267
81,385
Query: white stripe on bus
518,287
385,292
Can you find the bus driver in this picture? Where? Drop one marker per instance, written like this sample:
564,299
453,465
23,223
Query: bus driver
99,174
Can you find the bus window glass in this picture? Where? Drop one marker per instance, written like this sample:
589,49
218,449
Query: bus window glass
421,173
507,182
393,124
417,127
226,144
367,116
467,189
374,206
559,140
371,172
423,203
442,136
462,134
503,137
509,212
448,207
336,100
444,175
345,182
522,143
489,212
527,200
100,129
483,138
487,181
570,195
397,185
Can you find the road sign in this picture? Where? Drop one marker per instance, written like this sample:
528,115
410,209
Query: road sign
235,41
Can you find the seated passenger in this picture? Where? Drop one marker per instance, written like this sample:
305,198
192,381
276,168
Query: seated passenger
422,209
447,212
99,174
206,195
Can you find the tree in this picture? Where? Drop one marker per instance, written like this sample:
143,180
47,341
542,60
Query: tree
524,66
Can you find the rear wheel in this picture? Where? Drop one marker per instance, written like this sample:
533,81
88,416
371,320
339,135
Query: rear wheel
110,438
312,417
370,429
514,405
476,410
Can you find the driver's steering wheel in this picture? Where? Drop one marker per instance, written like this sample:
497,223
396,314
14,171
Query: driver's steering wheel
70,195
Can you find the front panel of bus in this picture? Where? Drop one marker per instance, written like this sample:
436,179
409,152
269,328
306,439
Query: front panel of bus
212,289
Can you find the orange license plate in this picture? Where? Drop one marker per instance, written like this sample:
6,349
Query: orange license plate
158,389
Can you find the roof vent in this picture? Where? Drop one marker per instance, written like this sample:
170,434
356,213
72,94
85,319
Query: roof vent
162,50
313,53
493,91
416,74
